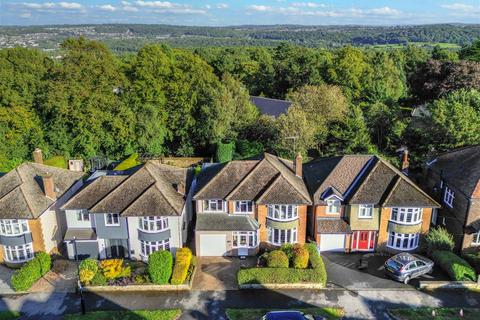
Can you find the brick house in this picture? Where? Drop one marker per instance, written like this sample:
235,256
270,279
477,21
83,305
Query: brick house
363,203
248,204
453,178
30,217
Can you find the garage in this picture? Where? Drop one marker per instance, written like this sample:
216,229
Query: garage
332,242
213,245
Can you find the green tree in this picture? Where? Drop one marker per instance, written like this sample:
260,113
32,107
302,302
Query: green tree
444,54
471,52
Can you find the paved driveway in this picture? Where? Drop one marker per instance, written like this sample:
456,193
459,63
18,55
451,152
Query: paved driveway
5,275
219,273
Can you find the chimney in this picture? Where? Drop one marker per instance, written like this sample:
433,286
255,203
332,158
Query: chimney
38,156
298,165
405,163
180,187
75,165
49,186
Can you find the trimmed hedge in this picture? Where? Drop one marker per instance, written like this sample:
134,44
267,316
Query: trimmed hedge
277,259
300,257
31,271
160,265
474,260
315,260
280,275
224,151
457,268
183,257
439,239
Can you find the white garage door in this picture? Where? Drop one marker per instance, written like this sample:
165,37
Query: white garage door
332,242
212,245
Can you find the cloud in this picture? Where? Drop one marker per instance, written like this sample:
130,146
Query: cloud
458,7
26,15
70,5
262,8
307,4
107,7
222,6
384,11
46,5
156,4
129,8
125,3
52,5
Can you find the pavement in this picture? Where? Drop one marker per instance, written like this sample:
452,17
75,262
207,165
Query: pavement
5,276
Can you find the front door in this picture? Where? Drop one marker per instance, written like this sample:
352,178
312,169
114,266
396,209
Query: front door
115,248
363,240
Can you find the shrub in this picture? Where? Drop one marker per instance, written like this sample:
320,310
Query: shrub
140,279
45,262
314,259
474,260
86,276
27,275
277,259
300,256
280,275
160,266
112,268
183,257
288,249
439,239
457,268
98,279
89,264
224,151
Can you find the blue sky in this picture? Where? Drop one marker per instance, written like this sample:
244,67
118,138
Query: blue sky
236,12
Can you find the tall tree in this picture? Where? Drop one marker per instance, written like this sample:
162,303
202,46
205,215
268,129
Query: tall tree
471,52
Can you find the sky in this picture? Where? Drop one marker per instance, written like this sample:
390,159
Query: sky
237,12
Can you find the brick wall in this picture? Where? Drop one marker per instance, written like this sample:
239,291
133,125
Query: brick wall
261,216
37,235
383,230
302,224
1,254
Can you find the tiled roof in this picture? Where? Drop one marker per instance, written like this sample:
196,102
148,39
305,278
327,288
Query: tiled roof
225,222
21,190
271,107
333,225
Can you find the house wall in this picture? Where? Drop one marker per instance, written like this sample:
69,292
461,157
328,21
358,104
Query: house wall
383,228
357,223
50,231
474,215
37,234
110,232
229,245
2,254
72,222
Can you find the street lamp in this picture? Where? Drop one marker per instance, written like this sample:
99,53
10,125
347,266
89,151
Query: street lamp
80,287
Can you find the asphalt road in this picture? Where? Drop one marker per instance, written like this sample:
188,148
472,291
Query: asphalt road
365,304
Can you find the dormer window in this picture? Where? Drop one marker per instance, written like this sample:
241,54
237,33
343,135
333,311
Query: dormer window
333,206
243,206
214,206
448,197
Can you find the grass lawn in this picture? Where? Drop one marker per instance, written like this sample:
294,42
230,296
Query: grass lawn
254,314
128,163
56,161
127,315
440,313
9,315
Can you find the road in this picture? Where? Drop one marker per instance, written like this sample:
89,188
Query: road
202,305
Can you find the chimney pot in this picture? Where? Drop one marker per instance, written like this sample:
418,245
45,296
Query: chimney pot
298,165
180,188
405,161
49,186
38,156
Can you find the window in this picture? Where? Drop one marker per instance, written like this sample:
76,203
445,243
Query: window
112,219
245,239
281,236
148,247
282,212
448,197
153,224
333,206
214,206
476,238
403,241
18,253
365,211
83,216
243,206
406,215
13,227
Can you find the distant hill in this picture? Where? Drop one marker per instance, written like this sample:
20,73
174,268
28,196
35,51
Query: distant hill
130,37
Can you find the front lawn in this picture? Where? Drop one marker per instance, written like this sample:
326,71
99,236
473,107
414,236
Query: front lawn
9,315
440,313
254,314
127,315
56,161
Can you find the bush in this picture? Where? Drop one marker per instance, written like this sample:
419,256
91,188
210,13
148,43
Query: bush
288,249
98,280
160,266
277,259
457,268
474,260
280,275
45,262
88,268
183,257
315,261
439,239
300,256
224,151
113,269
27,275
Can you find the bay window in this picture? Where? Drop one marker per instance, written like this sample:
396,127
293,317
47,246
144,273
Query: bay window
406,215
153,224
403,241
365,211
282,212
476,238
214,206
112,219
281,236
333,206
245,239
148,247
18,253
243,206
13,227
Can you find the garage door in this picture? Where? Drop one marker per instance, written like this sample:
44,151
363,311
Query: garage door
332,242
212,245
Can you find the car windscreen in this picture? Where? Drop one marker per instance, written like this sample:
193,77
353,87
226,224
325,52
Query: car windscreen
395,265
287,315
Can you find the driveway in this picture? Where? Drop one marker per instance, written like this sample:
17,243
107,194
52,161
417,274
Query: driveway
219,273
5,276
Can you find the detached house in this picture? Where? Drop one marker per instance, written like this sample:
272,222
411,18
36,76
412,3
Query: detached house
30,216
363,203
130,215
246,204
453,179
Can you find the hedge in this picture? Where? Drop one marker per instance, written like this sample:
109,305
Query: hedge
280,275
183,257
474,260
439,239
160,265
277,259
300,257
457,268
315,260
31,271
224,151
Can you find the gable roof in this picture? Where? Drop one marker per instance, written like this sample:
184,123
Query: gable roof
271,107
22,195
267,180
460,168
148,191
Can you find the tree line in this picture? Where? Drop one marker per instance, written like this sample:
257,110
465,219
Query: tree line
166,101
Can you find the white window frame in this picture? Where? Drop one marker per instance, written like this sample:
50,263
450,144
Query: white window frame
13,253
252,239
149,247
113,224
152,224
448,197
208,206
275,236
83,216
363,209
332,203
13,227
476,239
400,215
282,212
411,239
243,204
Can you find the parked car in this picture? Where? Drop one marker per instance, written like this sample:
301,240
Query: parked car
289,315
405,266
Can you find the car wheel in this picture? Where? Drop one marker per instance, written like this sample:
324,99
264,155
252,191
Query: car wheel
406,280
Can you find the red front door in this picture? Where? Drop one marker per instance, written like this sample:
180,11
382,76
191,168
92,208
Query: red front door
363,240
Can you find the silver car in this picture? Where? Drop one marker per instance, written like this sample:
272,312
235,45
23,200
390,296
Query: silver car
405,266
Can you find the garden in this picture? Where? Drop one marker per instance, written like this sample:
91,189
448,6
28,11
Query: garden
31,272
291,264
161,269
127,315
